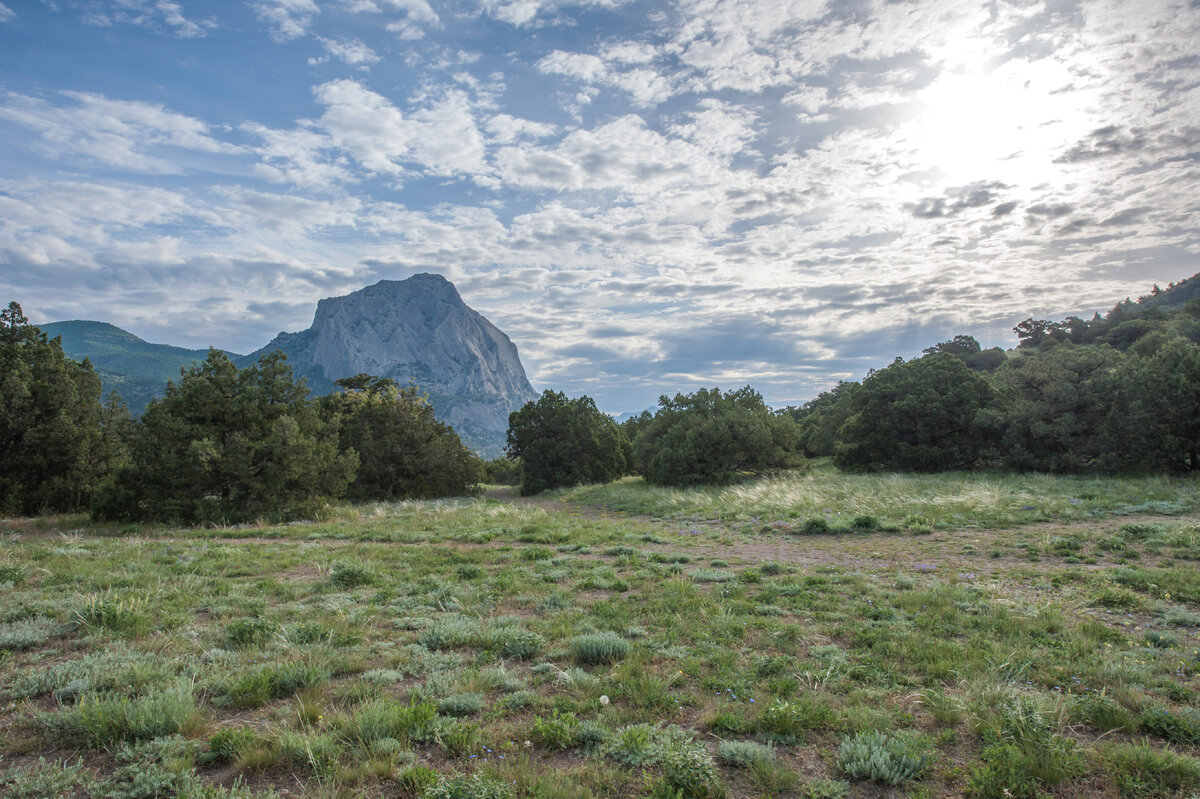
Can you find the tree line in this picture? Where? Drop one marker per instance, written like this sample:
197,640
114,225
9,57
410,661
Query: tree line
1116,393
222,445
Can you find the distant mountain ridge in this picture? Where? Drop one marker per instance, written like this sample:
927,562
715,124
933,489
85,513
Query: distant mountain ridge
417,329
136,369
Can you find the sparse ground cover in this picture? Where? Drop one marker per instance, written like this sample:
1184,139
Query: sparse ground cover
487,648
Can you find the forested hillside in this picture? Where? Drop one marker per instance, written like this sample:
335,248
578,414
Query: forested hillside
1118,392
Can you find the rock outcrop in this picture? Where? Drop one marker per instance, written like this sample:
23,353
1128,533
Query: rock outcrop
418,330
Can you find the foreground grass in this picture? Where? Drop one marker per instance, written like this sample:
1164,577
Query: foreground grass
956,499
483,649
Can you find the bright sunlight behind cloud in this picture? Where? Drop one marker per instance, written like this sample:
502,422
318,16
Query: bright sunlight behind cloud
646,196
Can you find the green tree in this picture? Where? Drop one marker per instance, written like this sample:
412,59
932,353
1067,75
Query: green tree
563,442
57,443
819,419
1154,416
225,445
632,427
1052,405
403,451
710,438
916,416
967,350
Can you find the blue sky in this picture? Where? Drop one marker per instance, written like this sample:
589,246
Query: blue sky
646,196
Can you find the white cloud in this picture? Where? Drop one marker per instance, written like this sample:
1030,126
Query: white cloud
520,13
506,129
740,176
126,134
352,52
439,136
646,87
289,19
300,156
172,14
157,15
417,11
6,13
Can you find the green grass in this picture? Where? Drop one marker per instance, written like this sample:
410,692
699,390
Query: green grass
854,502
477,648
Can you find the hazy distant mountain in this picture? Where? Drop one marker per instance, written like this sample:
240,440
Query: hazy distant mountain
417,329
135,369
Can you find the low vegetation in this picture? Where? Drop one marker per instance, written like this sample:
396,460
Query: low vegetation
721,647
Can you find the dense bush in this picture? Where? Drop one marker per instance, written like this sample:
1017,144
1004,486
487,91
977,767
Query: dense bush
916,416
57,443
711,437
230,445
403,451
564,442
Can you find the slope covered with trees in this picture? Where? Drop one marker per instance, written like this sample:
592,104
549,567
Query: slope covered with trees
1118,392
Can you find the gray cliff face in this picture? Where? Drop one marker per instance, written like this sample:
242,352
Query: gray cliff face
417,329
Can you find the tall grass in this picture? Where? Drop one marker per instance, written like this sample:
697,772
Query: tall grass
984,499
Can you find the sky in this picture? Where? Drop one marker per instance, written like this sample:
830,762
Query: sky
647,197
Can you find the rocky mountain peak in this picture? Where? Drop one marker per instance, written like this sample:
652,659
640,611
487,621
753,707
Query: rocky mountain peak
419,330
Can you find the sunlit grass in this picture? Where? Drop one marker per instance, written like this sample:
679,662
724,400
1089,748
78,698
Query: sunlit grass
983,499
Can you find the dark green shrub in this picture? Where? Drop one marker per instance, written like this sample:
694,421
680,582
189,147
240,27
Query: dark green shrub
403,451
564,442
248,632
1141,771
787,722
814,526
228,445
1177,726
916,416
224,745
346,574
864,524
560,731
711,437
1003,775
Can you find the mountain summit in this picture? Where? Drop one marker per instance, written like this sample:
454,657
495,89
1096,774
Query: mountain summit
417,329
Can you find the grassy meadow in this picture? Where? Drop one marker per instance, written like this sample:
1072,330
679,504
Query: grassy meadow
817,635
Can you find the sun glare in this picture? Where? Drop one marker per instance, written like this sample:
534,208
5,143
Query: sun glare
1005,124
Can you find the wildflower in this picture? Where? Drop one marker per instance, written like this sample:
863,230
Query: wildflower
604,699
